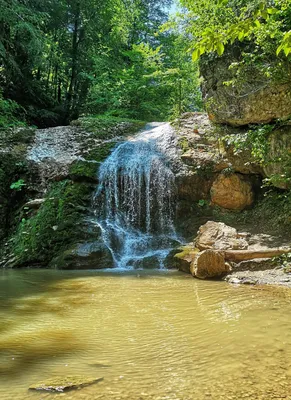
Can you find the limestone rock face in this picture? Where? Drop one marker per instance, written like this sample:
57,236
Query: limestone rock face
279,165
233,192
218,236
259,100
193,187
209,264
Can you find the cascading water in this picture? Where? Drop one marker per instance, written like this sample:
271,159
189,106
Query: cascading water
135,200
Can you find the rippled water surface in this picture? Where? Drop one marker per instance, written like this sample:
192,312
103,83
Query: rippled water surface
152,335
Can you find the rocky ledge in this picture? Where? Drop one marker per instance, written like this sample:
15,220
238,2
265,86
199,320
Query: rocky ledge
219,251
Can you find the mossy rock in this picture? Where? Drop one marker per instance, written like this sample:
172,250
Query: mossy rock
58,223
106,127
185,251
101,152
181,258
84,171
62,384
21,135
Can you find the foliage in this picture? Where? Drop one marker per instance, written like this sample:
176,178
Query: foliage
256,139
285,261
18,185
271,213
107,126
10,113
215,23
62,58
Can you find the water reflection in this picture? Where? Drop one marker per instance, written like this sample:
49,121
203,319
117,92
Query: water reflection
151,336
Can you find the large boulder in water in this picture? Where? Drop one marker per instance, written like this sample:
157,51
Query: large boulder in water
232,192
209,264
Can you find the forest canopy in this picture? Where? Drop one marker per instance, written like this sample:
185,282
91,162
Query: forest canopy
62,58
126,58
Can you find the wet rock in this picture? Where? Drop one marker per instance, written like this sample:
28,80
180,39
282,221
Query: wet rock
64,384
219,236
93,255
241,281
209,264
151,262
184,258
232,192
274,276
84,171
233,280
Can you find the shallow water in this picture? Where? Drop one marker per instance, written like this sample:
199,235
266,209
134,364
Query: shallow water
151,335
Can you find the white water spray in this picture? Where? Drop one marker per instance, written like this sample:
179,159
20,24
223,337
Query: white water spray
135,200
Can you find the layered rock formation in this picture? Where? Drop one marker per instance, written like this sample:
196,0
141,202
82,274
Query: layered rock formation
252,99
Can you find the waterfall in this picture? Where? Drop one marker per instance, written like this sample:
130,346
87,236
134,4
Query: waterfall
134,203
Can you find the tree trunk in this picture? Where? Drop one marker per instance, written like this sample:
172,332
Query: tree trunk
75,54
242,255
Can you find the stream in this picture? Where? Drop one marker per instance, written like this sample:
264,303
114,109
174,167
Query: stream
150,334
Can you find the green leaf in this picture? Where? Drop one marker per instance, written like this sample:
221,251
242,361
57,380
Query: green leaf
195,55
241,35
272,11
279,49
220,48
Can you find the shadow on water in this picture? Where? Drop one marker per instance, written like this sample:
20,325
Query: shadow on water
32,302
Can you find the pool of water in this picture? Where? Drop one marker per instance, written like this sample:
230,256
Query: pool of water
150,335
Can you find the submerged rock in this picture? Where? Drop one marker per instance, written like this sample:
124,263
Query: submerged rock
63,384
209,264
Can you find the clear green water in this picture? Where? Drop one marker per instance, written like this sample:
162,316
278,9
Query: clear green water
150,335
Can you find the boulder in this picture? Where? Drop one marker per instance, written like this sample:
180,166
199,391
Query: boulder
232,192
184,258
209,264
93,255
258,100
219,236
150,262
